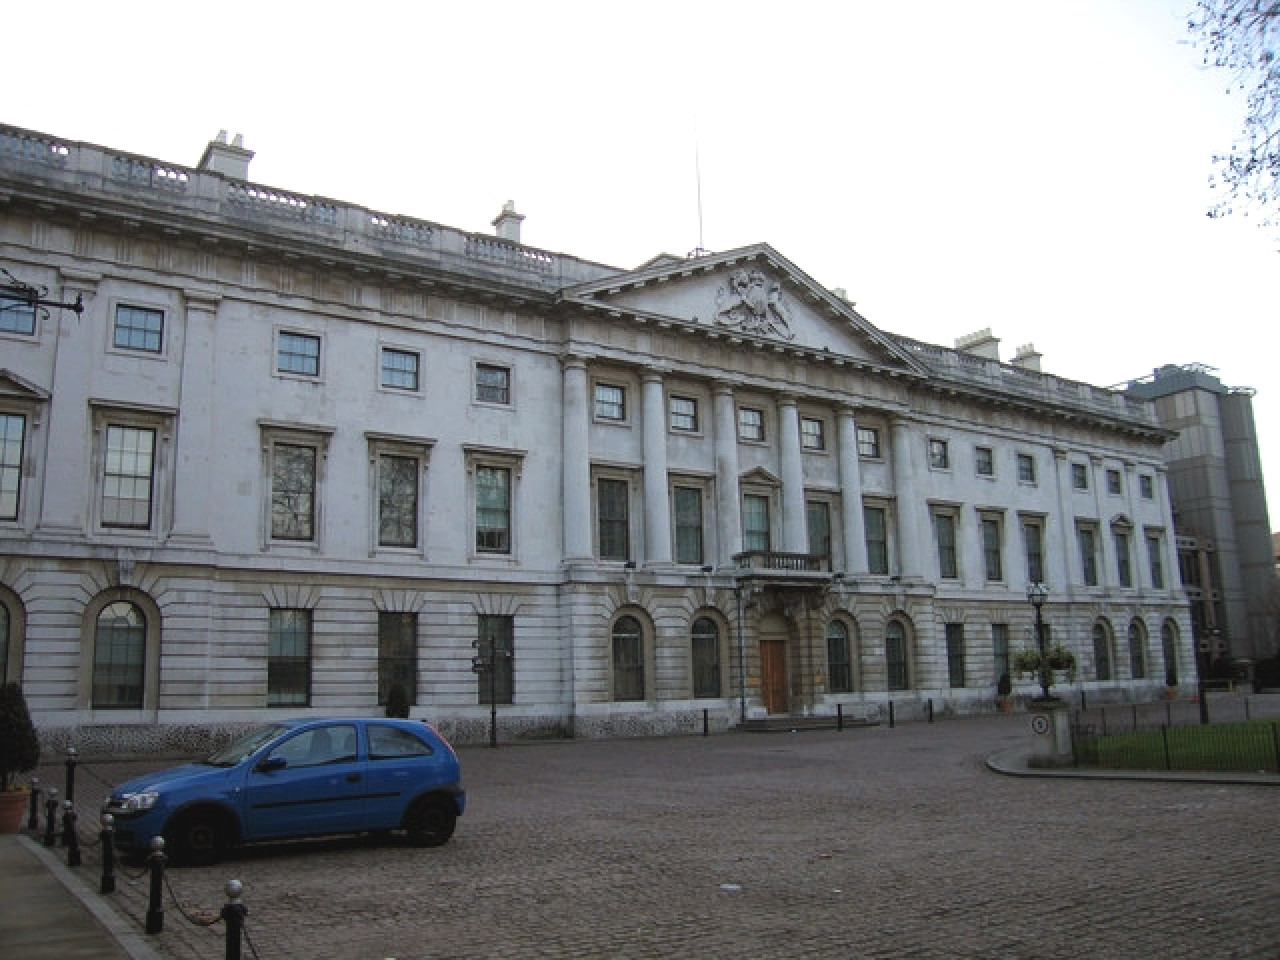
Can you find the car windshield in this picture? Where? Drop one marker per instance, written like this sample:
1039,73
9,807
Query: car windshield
230,756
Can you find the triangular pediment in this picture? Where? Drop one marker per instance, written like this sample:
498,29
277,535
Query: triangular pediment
14,387
751,294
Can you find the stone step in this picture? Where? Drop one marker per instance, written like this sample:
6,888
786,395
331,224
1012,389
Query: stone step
784,724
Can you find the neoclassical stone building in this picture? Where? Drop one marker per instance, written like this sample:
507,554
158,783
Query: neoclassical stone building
294,452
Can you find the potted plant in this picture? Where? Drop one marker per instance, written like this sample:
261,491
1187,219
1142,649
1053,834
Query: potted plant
1060,660
1004,693
19,753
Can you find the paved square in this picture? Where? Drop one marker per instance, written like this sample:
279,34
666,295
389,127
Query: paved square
864,843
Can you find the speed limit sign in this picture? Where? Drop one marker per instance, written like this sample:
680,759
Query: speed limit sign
1039,724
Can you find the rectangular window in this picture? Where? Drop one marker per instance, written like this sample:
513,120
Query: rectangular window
628,660
939,455
17,315
817,515
397,501
1146,487
877,536
895,656
13,429
944,525
750,424
869,443
705,654
1124,569
399,369
288,658
138,328
812,434
684,414
984,461
397,655
839,659
688,518
493,509
495,659
755,523
1000,649
1026,468
1079,476
1114,486
293,492
493,384
611,518
1155,555
127,477
1088,555
955,654
1033,543
611,402
991,548
298,353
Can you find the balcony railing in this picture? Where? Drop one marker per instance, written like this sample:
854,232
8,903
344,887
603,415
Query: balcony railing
774,560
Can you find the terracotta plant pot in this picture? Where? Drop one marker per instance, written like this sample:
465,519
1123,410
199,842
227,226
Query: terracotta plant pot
13,809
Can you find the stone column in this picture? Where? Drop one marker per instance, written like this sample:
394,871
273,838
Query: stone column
576,466
855,539
192,470
795,535
1061,568
909,508
728,509
1107,566
657,505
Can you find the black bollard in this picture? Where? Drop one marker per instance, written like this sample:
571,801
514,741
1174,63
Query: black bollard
71,775
108,837
33,812
839,716
706,722
233,915
931,709
155,904
70,839
890,714
50,817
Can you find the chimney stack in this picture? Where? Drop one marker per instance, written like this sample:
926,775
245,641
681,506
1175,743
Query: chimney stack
980,344
229,159
1027,357
507,224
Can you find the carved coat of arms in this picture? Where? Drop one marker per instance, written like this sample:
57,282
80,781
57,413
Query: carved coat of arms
752,303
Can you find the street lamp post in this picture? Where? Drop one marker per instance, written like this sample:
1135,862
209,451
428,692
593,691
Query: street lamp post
1037,593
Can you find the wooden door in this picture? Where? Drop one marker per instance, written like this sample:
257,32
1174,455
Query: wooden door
773,673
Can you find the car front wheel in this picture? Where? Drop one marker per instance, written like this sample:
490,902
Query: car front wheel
197,837
430,822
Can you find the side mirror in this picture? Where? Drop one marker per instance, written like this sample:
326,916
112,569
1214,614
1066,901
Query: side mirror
271,764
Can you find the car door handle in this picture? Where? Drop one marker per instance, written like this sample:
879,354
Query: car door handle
353,778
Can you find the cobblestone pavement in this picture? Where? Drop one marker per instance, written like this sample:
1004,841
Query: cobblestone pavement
871,842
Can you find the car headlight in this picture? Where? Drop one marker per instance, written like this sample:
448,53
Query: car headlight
137,802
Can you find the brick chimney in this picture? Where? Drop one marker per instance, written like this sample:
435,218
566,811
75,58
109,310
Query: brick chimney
228,159
507,224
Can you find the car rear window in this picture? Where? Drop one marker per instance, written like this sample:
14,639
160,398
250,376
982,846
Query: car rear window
388,742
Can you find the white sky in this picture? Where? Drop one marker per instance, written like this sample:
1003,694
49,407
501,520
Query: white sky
1035,167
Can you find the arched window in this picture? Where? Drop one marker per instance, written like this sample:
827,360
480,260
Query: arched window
839,661
628,659
1169,643
1101,652
119,656
706,658
1137,650
895,654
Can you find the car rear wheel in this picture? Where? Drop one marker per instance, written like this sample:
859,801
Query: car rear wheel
430,822
197,837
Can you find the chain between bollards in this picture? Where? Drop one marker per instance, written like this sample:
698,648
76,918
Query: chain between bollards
155,905
108,835
233,915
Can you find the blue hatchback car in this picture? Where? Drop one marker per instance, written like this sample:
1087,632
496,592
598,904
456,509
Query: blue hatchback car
297,778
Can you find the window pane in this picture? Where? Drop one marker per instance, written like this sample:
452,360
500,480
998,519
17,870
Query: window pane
818,521
126,479
1154,554
991,548
1169,641
755,522
293,487
1026,468
1088,557
611,509
399,369
119,656
869,443
13,430
397,655
839,663
1101,653
297,353
984,461
16,315
812,434
945,526
895,651
493,510
397,501
955,654
684,414
706,658
138,329
1137,651
1032,538
750,424
873,519
493,384
939,458
688,510
1000,648
1123,569
628,660
288,658
610,402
